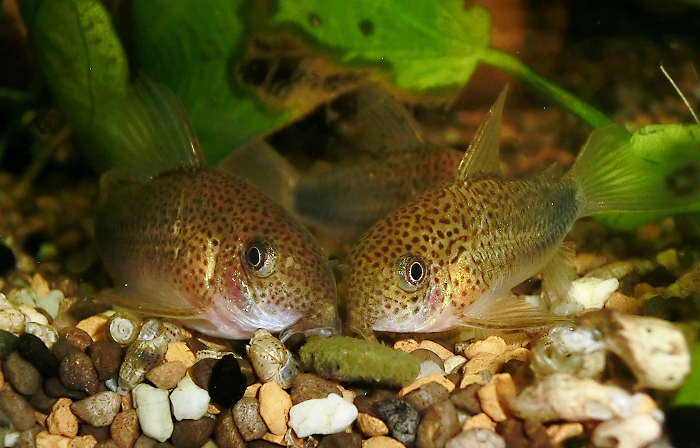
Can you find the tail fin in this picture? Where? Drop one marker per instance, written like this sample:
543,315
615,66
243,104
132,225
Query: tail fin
267,169
613,176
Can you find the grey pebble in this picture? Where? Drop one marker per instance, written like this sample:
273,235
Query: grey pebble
477,438
246,414
401,418
78,373
192,433
53,387
427,395
23,376
145,442
226,434
8,343
20,413
201,372
467,399
98,410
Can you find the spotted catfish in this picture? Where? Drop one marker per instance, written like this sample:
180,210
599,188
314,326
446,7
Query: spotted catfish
450,257
188,242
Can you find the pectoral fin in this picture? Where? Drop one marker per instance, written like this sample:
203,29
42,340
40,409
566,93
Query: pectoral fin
509,313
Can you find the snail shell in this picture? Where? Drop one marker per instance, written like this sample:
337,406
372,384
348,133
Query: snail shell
123,328
271,360
143,354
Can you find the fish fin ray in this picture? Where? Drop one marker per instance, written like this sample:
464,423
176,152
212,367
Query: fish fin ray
259,163
482,156
153,133
509,313
559,272
163,301
613,175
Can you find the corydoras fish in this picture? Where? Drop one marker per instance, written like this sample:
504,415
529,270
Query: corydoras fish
345,200
450,257
203,246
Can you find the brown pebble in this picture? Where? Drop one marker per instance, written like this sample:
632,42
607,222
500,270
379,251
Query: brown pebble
166,376
23,376
246,414
439,425
201,372
427,395
76,337
438,349
83,442
192,433
226,433
61,420
55,388
145,442
77,372
106,356
27,437
42,402
382,442
365,403
17,410
125,428
98,410
341,440
423,354
467,399
100,434
307,386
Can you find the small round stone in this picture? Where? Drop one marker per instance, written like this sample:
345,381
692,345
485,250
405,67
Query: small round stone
76,337
307,386
427,395
226,433
8,343
77,372
246,414
467,398
23,376
166,376
98,410
17,409
341,440
226,384
438,426
54,388
62,348
36,352
401,418
125,428
42,402
153,408
192,433
201,372
106,356
189,401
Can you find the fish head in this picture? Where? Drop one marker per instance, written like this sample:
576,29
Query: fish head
399,278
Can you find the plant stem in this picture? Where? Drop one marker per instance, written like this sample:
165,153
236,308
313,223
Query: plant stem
40,160
546,88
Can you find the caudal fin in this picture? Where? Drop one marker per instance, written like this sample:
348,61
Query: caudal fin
614,177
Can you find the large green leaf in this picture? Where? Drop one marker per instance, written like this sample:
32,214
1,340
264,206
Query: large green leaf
189,45
81,58
427,43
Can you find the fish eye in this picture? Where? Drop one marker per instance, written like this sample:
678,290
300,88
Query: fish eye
259,256
411,272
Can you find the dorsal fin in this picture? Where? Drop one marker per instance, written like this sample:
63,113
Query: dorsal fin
385,126
152,133
482,155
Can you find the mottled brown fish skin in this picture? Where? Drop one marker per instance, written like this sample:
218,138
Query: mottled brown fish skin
189,229
477,238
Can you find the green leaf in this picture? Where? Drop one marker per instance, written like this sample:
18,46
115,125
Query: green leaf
188,45
80,56
689,392
673,153
428,44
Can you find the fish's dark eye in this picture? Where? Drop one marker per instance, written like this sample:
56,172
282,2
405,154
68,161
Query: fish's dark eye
411,272
259,256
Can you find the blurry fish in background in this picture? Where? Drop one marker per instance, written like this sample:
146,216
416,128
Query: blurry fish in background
192,243
345,200
450,257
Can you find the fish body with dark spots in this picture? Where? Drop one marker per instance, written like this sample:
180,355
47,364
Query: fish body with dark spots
449,258
208,249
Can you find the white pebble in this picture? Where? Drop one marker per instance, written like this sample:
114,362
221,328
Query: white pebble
476,438
4,303
32,315
189,401
429,368
153,409
11,439
586,292
454,362
328,415
25,296
633,432
51,302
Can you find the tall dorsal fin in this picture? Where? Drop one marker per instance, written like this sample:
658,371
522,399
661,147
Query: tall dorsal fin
482,155
152,133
